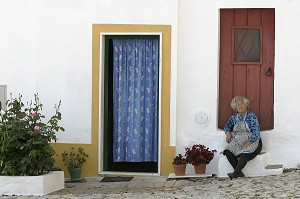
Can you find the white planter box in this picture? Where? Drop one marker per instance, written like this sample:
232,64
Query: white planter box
32,185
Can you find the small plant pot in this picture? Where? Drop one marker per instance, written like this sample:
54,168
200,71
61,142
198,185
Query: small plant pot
75,173
179,169
200,168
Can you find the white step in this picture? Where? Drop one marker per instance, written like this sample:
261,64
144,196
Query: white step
256,167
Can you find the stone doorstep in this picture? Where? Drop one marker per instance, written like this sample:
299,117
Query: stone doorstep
32,185
173,176
256,167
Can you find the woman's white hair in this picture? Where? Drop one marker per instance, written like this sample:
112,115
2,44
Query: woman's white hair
239,98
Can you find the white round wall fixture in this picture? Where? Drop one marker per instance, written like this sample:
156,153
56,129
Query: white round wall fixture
201,117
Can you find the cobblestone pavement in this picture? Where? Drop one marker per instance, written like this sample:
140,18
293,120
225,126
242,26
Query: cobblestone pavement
286,185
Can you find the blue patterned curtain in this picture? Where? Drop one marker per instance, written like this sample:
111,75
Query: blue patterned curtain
135,100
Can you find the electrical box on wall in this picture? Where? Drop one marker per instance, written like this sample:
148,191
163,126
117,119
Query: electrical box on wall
3,96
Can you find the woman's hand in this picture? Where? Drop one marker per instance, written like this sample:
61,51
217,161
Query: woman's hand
228,136
246,145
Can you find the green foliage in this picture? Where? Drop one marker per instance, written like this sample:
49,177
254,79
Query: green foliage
24,138
73,159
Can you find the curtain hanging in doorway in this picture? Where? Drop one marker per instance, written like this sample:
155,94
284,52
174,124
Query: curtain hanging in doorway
135,100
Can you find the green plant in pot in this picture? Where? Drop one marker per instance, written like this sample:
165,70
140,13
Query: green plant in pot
74,161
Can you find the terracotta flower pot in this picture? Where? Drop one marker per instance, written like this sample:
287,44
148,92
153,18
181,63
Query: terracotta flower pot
179,169
200,168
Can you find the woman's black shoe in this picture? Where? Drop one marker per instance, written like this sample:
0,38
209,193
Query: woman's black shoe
241,174
232,175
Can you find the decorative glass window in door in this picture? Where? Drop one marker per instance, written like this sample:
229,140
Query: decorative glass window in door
247,45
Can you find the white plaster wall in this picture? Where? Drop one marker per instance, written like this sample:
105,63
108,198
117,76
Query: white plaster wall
198,48
17,48
46,47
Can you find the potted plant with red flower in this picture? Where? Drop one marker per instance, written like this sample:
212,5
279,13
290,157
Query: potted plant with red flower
179,165
199,155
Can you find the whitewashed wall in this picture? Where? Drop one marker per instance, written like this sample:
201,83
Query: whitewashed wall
46,47
198,49
17,48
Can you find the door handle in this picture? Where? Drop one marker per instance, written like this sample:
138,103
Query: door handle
269,72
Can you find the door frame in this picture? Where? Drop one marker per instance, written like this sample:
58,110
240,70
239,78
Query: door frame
102,96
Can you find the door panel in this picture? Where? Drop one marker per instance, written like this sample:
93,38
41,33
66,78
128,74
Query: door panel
254,17
267,82
226,69
239,83
254,80
240,17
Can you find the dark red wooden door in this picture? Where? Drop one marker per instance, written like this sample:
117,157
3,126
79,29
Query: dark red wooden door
247,62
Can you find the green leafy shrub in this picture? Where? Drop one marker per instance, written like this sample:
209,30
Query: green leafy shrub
24,138
74,159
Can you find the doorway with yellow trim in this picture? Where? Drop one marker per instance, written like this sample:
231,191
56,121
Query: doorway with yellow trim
166,152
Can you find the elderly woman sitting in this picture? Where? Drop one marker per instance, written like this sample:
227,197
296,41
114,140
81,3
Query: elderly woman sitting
243,136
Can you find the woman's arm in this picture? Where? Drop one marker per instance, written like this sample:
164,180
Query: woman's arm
254,126
228,127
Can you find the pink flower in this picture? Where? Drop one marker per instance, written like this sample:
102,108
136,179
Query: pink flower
37,128
34,114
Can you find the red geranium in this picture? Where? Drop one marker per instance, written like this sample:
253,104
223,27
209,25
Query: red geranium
179,159
199,154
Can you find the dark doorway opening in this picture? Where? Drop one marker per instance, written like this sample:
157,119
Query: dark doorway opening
108,163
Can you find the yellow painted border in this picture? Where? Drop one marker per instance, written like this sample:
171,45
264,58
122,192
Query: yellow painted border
167,151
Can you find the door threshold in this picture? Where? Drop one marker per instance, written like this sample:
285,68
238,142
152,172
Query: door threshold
127,173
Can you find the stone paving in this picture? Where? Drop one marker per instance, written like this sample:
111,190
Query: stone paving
286,185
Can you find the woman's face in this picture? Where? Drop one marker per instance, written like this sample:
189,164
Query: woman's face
241,107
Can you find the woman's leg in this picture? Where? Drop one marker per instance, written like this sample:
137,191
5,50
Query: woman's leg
244,158
233,160
242,162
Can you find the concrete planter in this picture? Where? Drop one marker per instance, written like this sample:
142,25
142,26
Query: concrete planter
32,185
